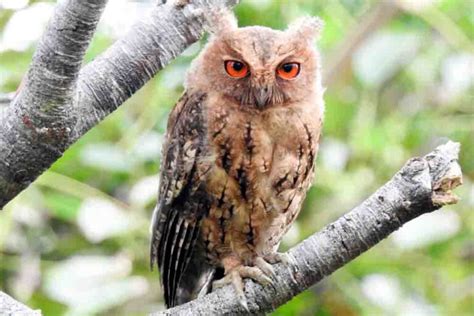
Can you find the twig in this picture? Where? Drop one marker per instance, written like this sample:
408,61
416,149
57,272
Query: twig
421,186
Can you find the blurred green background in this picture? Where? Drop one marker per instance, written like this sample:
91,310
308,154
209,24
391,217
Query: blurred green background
76,241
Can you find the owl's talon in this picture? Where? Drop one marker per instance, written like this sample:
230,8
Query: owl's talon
259,273
243,303
266,267
234,277
231,277
283,257
256,274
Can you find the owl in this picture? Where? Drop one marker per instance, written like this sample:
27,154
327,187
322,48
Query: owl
238,158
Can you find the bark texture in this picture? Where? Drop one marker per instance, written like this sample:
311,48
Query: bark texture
421,186
59,101
36,128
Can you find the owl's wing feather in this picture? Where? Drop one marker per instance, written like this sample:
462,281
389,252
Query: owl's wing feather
182,199
190,234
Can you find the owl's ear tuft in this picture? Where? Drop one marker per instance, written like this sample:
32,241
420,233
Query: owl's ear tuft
220,20
308,28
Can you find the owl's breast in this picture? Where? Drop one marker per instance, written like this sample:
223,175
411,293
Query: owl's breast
262,167
275,148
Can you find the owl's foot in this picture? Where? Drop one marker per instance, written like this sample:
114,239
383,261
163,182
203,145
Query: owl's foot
261,272
283,257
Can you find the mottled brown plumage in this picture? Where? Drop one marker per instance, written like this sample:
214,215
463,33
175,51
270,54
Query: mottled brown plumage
238,159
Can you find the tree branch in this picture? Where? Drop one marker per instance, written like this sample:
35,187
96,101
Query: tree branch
421,186
133,60
35,129
9,306
59,103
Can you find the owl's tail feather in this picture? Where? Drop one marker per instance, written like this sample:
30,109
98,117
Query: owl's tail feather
179,253
196,279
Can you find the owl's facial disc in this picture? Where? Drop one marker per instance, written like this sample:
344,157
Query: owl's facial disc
262,81
258,67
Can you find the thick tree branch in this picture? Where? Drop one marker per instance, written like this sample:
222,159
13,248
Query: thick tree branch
421,186
9,306
133,60
35,129
58,103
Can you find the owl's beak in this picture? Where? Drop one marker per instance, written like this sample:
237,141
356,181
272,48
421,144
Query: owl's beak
262,96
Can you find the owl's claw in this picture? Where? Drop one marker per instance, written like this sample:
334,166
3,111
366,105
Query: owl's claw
259,273
265,267
278,257
233,277
283,257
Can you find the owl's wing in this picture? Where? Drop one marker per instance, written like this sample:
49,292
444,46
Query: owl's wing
182,199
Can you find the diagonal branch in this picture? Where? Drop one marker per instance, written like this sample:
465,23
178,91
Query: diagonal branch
35,129
126,66
58,104
58,57
421,186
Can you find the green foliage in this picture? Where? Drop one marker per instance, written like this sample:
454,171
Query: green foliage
409,90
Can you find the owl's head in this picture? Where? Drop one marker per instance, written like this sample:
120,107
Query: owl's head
259,67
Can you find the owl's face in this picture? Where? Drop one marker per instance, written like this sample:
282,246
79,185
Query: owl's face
259,67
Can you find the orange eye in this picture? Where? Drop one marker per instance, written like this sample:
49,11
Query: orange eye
236,69
288,71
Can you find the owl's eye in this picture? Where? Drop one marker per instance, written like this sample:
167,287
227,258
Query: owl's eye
288,71
236,69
